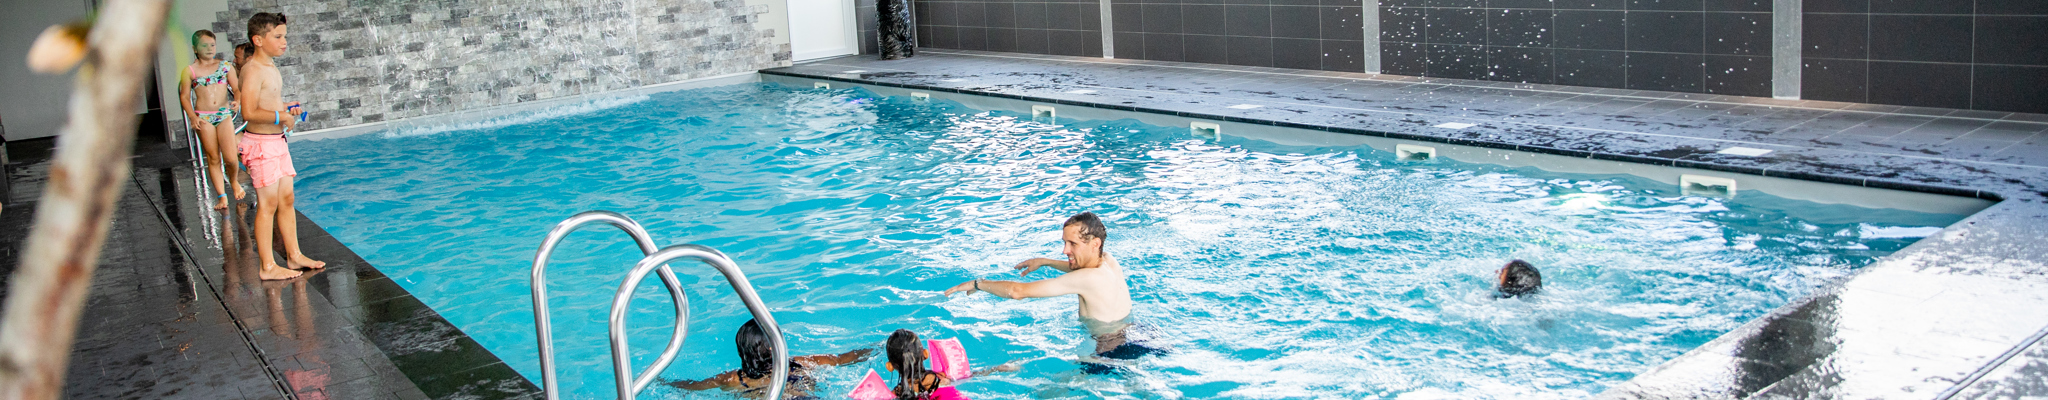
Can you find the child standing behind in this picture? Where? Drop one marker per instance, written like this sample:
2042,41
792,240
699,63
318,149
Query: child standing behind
263,147
206,86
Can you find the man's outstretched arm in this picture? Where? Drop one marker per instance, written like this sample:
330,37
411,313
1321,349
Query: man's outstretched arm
1032,265
1059,286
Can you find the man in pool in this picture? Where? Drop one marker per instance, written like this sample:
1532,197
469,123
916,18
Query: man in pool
1516,279
1089,272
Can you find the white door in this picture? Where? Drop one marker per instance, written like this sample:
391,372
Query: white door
821,28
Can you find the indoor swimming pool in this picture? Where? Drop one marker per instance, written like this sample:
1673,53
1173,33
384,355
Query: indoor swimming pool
1267,270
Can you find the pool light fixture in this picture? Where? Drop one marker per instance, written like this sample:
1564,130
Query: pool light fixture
1455,125
1200,128
1702,185
1743,151
820,85
920,96
1409,152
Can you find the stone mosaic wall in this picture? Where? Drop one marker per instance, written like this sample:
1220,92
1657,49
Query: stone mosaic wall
364,61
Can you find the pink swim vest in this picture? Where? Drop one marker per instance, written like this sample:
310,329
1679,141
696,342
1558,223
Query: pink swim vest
948,357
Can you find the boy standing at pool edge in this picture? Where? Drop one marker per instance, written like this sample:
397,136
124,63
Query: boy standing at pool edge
263,147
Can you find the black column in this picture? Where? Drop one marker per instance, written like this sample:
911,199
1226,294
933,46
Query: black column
899,38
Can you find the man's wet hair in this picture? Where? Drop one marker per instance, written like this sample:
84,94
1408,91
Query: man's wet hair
261,23
1520,278
1091,225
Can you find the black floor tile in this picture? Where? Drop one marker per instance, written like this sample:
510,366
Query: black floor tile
176,310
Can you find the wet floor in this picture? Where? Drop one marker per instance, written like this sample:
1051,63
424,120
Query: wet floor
176,309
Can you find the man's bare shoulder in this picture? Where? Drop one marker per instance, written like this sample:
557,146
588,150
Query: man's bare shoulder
1108,270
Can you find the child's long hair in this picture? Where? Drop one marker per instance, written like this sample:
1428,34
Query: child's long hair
906,354
757,353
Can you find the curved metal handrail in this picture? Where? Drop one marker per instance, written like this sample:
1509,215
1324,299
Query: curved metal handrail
544,333
621,356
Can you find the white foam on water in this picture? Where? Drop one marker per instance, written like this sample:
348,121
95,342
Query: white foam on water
517,118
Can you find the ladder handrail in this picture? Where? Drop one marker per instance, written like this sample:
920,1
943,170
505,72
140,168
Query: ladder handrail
621,356
544,333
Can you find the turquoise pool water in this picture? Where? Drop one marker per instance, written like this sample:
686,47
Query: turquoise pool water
1270,271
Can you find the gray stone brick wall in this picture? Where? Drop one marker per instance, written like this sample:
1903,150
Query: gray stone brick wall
363,61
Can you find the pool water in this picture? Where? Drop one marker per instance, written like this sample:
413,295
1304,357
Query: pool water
1268,270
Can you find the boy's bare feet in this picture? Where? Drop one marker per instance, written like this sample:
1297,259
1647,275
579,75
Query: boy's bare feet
272,273
301,262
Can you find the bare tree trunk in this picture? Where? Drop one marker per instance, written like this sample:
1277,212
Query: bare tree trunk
49,287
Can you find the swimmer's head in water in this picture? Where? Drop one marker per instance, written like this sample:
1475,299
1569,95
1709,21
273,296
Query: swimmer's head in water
1519,278
1083,235
906,357
757,353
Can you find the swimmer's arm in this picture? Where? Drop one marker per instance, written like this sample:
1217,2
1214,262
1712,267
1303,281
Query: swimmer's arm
185,99
834,360
1059,286
714,382
1032,265
234,84
1011,366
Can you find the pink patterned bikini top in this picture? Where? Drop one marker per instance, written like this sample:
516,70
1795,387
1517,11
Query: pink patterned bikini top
219,76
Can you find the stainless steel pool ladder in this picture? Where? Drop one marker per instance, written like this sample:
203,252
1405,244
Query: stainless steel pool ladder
655,260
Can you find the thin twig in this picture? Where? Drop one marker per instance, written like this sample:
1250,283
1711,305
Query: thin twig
49,288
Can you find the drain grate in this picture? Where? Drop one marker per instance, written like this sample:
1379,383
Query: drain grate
184,249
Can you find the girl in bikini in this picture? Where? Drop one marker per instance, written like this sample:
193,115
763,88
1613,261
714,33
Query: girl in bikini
206,85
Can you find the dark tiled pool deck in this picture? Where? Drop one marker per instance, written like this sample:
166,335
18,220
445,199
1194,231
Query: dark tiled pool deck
1957,315
176,310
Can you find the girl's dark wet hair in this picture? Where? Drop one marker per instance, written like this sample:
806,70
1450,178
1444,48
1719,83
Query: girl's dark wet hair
199,34
1520,278
906,354
757,353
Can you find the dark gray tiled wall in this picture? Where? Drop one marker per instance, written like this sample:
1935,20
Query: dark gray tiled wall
1700,46
1970,54
868,21
365,61
1302,34
1057,27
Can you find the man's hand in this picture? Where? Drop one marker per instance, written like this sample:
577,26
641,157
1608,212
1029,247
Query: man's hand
962,287
1032,265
